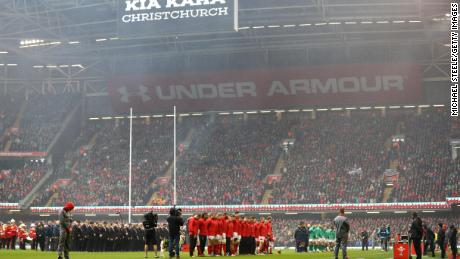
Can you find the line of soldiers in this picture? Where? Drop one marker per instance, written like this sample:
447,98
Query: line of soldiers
105,237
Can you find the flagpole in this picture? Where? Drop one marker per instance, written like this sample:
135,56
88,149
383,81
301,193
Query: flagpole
130,160
174,166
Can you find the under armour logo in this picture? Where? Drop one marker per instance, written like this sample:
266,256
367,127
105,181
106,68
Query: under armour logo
401,250
141,92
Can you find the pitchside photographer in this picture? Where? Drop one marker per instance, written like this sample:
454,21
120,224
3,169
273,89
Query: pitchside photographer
150,238
175,221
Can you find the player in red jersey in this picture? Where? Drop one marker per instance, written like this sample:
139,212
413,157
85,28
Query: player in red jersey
202,233
271,238
229,247
245,233
222,234
263,234
192,224
213,231
236,232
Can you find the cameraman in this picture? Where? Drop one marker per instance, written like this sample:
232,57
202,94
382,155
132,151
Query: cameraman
150,238
175,221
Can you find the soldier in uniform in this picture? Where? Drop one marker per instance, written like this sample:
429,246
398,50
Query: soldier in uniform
64,235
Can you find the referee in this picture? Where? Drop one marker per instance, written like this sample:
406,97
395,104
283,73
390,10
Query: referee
150,238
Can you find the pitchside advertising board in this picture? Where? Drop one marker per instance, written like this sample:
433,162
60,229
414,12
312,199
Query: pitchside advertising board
148,18
370,84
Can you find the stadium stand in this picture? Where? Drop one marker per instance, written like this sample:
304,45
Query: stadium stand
17,183
235,156
41,121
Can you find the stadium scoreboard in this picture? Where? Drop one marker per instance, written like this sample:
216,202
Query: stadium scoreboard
149,18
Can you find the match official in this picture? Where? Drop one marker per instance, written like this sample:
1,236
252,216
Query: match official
65,222
416,233
342,228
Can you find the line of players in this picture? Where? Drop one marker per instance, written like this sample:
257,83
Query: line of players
314,238
229,235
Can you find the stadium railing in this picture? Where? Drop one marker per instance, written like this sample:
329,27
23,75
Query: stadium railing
258,208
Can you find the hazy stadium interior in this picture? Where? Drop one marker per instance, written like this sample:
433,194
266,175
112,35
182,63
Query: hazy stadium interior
310,106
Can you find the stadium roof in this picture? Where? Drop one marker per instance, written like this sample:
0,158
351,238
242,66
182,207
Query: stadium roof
78,39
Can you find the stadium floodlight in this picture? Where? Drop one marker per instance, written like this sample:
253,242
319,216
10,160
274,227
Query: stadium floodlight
12,65
114,38
102,39
373,212
395,107
169,115
251,112
350,23
73,42
119,117
335,23
409,106
424,106
400,212
304,24
44,215
398,21
93,119
3,52
258,27
243,28
265,111
106,118
184,114
144,116
336,109
197,114
157,116
238,113
78,65
415,21
320,23
379,107
322,110
64,66
38,66
289,25
274,26
307,110
382,22
438,105
293,110
280,111
428,211
2,65
367,22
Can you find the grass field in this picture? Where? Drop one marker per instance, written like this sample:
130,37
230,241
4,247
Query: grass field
284,255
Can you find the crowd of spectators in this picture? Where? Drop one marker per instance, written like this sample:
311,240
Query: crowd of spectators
335,158
41,121
16,183
9,106
229,159
101,173
427,170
